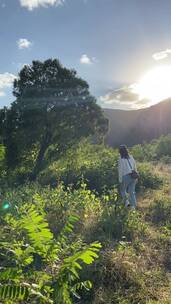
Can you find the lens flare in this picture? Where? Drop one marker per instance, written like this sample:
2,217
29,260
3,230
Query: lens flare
6,205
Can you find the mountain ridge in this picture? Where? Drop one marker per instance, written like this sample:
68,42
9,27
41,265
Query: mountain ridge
137,126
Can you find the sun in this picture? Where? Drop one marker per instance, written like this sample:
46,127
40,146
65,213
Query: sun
155,85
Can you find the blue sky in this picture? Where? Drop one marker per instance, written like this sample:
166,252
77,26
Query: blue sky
111,43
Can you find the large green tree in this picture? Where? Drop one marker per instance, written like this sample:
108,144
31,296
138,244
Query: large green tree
53,106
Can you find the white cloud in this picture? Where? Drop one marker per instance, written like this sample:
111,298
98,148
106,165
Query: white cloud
23,43
32,4
6,81
2,93
123,98
161,55
86,60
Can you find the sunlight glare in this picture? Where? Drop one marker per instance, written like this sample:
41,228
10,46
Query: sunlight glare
155,85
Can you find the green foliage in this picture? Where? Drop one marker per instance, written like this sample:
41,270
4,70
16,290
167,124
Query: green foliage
13,292
166,159
48,235
163,147
161,211
38,265
158,302
2,154
148,177
155,150
120,224
96,164
53,106
37,229
144,152
2,163
134,225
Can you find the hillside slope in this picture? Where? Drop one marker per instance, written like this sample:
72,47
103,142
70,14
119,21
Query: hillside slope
137,126
134,263
137,270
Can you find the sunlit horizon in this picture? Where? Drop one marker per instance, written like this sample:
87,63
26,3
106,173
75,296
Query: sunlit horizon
154,85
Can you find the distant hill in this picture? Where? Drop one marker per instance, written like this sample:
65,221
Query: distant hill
137,126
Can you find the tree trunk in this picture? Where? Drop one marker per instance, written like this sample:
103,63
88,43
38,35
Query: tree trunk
44,145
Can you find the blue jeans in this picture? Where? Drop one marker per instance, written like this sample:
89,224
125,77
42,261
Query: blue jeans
128,187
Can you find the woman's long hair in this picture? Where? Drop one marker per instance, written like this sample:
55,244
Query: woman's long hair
123,151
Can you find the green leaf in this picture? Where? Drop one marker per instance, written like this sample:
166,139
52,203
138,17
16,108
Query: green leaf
13,292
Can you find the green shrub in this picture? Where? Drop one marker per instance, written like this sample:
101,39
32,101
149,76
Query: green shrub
161,210
18,176
166,159
134,226
117,222
154,150
2,154
38,266
148,178
144,152
163,147
58,202
95,164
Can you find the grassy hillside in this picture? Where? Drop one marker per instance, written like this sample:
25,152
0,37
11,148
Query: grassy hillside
68,238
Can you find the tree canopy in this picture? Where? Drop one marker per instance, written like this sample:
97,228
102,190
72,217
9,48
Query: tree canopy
53,106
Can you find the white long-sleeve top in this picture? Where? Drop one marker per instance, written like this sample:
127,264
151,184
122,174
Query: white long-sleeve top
124,167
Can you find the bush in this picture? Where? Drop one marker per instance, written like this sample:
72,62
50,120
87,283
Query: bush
39,264
154,150
58,203
117,222
161,211
144,152
148,178
163,147
96,164
166,159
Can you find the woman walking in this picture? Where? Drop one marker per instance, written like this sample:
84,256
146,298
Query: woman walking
128,175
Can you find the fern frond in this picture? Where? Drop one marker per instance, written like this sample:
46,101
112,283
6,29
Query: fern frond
68,273
80,286
21,292
13,292
62,294
87,255
71,264
85,284
37,229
